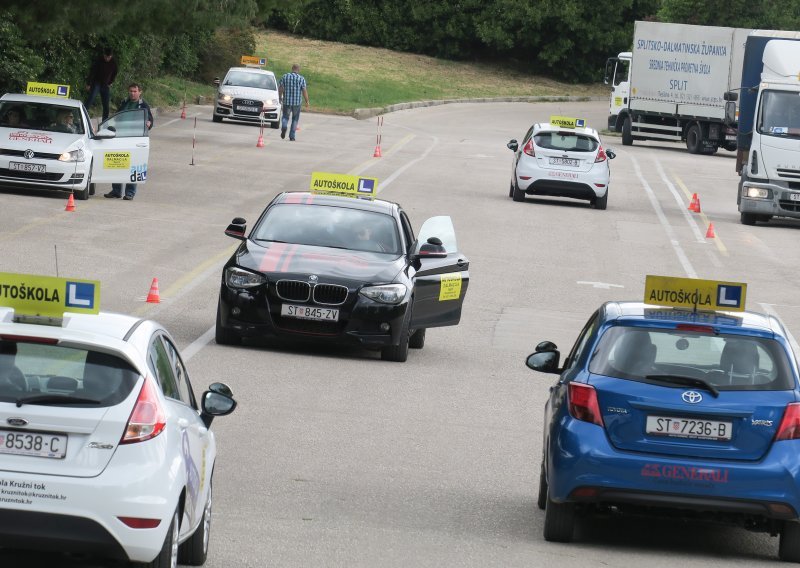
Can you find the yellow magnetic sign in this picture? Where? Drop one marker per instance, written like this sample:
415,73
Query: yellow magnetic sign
617,101
343,184
567,122
695,293
451,286
47,89
252,60
116,160
48,296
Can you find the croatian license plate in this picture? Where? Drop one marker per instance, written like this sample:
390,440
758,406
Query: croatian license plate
564,162
309,312
689,428
25,167
794,197
730,137
248,109
33,444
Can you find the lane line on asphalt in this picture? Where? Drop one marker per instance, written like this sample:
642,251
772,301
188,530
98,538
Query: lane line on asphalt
363,166
681,205
717,240
198,344
400,170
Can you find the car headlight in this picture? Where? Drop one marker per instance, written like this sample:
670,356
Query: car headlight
386,293
225,98
238,278
271,102
74,156
758,192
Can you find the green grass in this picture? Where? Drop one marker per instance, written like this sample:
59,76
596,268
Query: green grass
343,77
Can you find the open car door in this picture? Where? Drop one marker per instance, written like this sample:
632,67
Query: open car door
442,275
121,148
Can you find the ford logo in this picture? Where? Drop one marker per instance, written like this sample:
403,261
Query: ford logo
29,154
18,422
692,397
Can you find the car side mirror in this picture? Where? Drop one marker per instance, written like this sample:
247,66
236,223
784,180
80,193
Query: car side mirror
546,346
432,248
731,96
513,145
216,81
236,230
105,133
216,403
611,154
544,361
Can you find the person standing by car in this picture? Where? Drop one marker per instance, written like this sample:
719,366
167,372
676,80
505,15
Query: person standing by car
133,102
101,76
292,90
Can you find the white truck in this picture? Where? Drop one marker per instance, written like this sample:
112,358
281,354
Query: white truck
670,86
768,156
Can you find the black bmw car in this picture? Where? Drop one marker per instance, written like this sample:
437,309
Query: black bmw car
341,269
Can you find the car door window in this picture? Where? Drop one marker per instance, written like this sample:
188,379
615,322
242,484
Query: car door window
442,228
161,365
181,377
128,124
408,232
580,344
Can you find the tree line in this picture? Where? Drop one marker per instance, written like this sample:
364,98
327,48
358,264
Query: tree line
55,41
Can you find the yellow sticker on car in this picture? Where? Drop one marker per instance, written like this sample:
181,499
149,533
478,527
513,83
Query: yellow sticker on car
47,89
48,296
450,286
117,160
695,293
567,122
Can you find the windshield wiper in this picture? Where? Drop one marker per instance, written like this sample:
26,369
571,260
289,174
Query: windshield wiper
688,381
54,399
271,241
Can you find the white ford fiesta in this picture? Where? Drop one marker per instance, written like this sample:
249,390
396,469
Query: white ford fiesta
563,158
103,448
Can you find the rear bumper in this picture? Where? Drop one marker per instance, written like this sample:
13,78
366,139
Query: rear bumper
587,185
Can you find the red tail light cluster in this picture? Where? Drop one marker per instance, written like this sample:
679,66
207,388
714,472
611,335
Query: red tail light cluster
528,148
601,155
583,403
148,419
790,425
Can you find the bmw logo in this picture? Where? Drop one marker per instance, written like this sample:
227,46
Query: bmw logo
29,154
313,278
692,397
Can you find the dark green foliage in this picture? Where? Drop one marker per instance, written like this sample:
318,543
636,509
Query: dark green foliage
764,14
223,49
17,60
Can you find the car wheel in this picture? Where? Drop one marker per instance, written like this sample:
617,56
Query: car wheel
511,189
627,134
168,557
541,500
559,520
748,218
417,340
694,139
216,118
601,202
89,183
789,547
225,336
195,550
517,194
397,353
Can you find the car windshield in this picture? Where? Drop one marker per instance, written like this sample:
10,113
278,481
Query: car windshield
565,141
780,114
40,116
326,226
51,374
727,362
255,80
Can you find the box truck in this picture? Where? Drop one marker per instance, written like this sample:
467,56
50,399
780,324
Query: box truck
768,152
671,85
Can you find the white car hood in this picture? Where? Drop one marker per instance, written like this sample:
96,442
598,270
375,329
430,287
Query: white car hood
248,93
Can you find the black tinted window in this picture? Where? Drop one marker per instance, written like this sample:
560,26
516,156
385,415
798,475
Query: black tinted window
255,80
565,141
41,116
161,365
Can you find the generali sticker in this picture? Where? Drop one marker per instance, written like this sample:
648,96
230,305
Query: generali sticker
25,136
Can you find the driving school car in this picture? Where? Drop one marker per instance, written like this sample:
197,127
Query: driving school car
564,158
249,94
36,151
664,407
104,449
340,269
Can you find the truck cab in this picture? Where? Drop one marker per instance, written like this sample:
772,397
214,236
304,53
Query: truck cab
617,72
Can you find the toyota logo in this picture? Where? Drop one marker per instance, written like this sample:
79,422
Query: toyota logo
29,154
18,422
692,397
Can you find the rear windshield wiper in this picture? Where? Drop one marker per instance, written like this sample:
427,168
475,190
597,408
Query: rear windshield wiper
688,381
54,399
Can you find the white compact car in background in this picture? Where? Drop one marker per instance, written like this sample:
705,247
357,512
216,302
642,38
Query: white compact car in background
561,158
247,93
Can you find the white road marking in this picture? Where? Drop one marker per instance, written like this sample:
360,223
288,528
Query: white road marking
601,285
196,345
700,237
177,120
401,169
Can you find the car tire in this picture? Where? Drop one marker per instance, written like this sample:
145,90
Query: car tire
601,202
511,189
789,547
517,194
194,550
541,500
216,118
417,340
168,557
559,520
89,183
694,139
748,218
397,353
627,134
225,336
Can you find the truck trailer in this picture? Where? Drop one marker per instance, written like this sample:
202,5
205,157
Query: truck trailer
670,87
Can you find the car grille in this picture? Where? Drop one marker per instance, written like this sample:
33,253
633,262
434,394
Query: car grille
330,294
789,173
789,205
21,153
293,290
5,172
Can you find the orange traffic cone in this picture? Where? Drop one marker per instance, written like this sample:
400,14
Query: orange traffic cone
695,204
377,153
710,232
70,203
183,111
153,296
260,143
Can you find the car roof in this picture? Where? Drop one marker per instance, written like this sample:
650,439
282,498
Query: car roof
252,70
310,198
547,127
20,98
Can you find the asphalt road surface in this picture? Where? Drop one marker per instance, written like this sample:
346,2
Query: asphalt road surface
336,458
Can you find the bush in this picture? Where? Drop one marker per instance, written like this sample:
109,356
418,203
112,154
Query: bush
224,49
19,63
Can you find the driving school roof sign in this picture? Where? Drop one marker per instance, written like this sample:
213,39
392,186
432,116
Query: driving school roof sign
251,60
48,296
47,90
568,122
695,293
344,185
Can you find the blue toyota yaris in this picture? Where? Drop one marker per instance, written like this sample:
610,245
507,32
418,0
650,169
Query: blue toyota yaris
665,411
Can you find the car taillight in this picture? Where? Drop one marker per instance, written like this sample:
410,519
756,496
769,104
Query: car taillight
790,425
147,419
583,403
528,148
137,523
601,155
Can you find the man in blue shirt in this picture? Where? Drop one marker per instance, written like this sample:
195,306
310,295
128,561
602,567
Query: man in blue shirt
292,89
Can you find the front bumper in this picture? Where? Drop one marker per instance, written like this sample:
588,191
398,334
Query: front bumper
778,203
270,113
58,175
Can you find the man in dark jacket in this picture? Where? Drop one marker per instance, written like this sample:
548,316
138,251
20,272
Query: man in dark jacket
133,102
101,75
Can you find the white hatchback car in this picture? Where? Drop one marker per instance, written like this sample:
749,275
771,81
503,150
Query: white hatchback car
248,93
103,449
49,143
559,160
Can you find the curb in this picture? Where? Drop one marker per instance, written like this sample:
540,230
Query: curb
362,113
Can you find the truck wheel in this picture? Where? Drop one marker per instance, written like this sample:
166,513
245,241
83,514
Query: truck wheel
748,218
627,136
694,139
